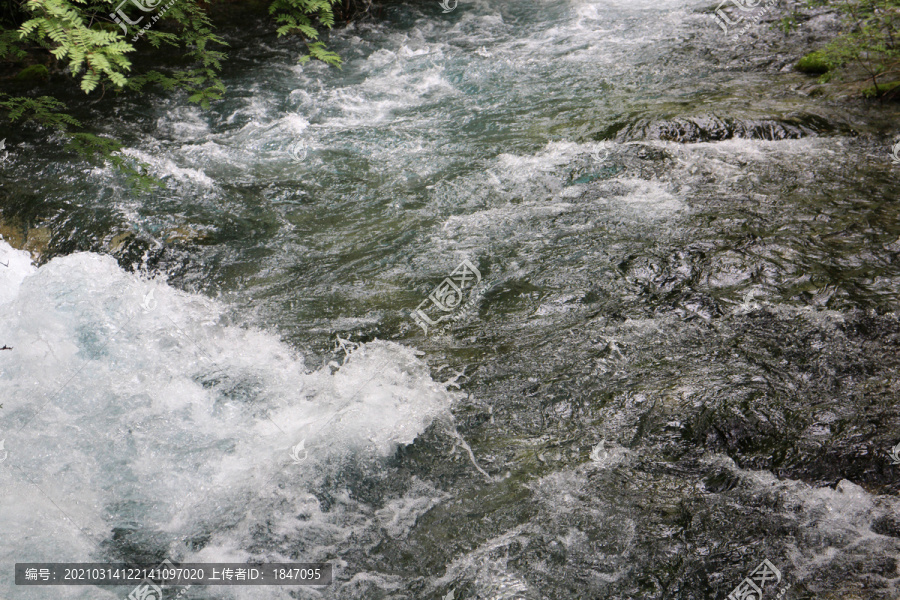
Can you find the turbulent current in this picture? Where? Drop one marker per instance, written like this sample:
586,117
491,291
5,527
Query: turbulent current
679,355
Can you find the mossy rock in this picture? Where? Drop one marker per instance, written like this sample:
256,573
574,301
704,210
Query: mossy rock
186,234
38,241
12,234
33,74
813,63
118,241
35,240
883,89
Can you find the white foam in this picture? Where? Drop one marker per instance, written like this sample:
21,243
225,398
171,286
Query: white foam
16,266
129,402
163,168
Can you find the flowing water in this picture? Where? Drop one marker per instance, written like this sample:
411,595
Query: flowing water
681,357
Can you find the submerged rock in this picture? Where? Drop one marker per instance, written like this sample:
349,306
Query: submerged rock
35,240
712,128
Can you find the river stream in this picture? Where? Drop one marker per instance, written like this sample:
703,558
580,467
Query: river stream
679,355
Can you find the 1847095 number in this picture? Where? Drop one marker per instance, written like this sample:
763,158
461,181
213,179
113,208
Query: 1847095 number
295,574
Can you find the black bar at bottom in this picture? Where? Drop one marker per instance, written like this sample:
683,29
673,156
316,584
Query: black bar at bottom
169,573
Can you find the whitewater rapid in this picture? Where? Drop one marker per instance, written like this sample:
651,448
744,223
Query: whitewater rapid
131,409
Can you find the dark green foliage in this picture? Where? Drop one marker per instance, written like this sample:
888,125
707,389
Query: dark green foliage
296,16
868,43
814,62
196,39
105,149
43,110
67,32
91,40
48,112
881,90
10,45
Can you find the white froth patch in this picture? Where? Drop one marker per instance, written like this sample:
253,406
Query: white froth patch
386,90
211,153
756,150
300,516
294,124
15,266
182,122
836,523
645,195
482,24
408,52
257,108
544,176
488,570
163,168
398,517
258,136
627,6
130,403
380,58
